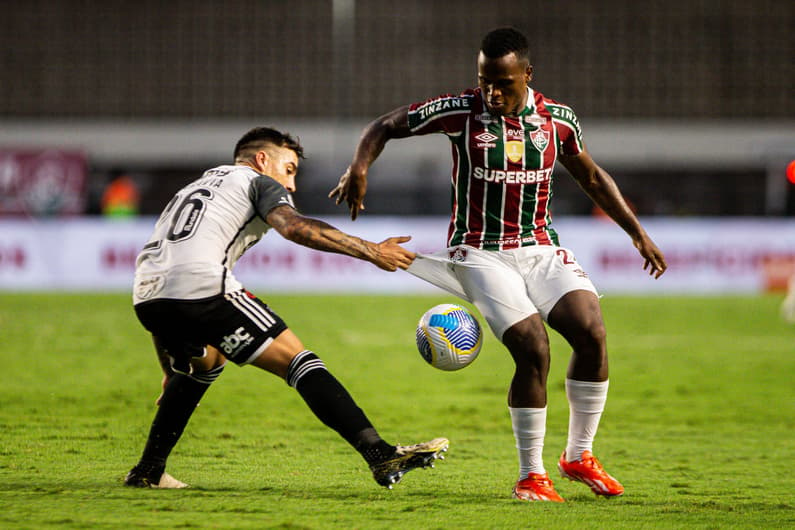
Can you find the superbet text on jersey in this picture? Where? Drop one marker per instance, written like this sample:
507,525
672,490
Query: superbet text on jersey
502,166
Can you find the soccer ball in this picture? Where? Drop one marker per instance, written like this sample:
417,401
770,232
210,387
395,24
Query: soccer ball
449,337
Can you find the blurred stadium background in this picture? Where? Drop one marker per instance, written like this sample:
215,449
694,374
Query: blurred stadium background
689,104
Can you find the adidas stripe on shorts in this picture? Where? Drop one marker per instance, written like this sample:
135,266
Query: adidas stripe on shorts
238,324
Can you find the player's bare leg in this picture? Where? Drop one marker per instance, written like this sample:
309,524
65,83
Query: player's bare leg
528,343
578,318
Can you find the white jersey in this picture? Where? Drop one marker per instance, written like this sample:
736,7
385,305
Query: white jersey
202,233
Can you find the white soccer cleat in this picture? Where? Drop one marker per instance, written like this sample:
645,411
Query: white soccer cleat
169,482
136,478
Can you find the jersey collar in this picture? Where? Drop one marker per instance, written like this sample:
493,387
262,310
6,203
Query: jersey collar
530,106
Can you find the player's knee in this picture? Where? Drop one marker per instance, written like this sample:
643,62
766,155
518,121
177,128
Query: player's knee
590,336
597,332
534,358
527,339
531,353
535,347
301,365
207,377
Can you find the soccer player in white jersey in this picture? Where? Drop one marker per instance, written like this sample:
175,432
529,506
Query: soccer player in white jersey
503,254
199,315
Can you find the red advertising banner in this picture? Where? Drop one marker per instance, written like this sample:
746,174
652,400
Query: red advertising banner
42,182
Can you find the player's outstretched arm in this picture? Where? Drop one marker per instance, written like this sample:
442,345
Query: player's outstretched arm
317,234
352,185
603,190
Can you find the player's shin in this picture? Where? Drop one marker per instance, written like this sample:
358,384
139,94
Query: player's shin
180,398
529,428
586,403
334,406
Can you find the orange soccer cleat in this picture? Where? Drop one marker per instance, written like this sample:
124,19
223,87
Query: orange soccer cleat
589,471
536,487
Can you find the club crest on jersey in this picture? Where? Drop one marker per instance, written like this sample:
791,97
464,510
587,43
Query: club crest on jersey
149,286
458,255
540,139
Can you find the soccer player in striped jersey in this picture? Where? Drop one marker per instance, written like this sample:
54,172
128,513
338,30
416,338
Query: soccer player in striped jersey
502,252
199,315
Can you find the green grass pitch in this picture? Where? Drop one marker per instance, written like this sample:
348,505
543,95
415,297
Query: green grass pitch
699,426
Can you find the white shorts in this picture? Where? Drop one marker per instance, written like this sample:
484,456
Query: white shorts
506,286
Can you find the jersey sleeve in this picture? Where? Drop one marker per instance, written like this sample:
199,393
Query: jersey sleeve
443,114
266,194
568,128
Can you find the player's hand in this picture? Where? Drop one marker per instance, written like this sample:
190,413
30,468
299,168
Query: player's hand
655,261
351,189
390,256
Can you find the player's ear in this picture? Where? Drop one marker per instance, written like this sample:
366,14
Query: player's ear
528,73
261,158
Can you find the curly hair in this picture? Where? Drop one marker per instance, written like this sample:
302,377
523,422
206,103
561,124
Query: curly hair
502,41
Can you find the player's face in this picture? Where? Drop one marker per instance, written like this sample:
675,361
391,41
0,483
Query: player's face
504,83
281,164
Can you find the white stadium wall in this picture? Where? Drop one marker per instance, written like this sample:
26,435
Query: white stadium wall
705,256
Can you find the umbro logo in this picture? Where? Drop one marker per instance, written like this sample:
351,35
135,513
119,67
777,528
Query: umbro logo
486,137
485,140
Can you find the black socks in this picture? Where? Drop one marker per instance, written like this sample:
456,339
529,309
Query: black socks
180,398
334,406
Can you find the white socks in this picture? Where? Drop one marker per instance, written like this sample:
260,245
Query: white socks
586,403
529,427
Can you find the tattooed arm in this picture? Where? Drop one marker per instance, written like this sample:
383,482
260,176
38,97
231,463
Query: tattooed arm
317,234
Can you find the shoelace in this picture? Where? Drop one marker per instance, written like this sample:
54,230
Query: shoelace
592,463
542,480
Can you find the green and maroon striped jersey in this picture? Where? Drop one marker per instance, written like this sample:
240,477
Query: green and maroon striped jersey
502,166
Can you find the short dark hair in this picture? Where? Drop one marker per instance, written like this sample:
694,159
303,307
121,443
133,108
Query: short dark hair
259,137
502,41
